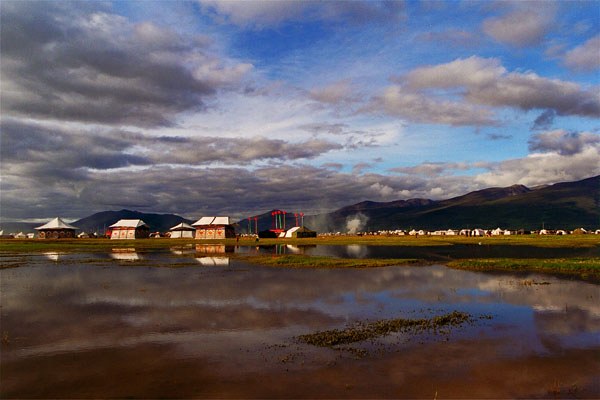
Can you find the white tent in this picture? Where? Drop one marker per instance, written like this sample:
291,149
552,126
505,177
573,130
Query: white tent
182,230
56,223
497,232
128,223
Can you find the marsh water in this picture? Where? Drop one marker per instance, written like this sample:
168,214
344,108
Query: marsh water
195,322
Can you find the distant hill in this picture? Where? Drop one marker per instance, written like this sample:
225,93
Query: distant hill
566,205
102,220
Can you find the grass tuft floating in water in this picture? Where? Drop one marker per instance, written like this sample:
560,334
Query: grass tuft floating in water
365,331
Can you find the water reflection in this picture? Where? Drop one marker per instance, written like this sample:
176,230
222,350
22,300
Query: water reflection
125,254
215,261
53,255
212,332
214,249
182,250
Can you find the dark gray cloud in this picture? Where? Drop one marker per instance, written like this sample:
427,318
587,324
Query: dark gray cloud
34,144
34,190
86,64
563,142
544,120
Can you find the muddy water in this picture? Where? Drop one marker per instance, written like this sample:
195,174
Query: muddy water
121,325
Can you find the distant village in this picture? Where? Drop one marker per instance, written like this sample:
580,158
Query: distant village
222,227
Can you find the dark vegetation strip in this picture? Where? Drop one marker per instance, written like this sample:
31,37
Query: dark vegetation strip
365,331
588,268
304,261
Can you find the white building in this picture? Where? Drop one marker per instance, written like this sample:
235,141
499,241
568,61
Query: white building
130,229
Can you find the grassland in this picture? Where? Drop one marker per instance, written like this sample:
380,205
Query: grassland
583,267
33,245
304,261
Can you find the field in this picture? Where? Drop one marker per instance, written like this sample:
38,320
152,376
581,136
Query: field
26,245
583,267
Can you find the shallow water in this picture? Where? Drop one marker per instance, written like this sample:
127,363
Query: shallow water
118,324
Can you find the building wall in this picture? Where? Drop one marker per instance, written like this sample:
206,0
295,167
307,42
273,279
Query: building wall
220,232
129,233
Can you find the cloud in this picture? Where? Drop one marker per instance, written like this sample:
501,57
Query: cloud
497,136
451,37
34,143
417,107
358,168
86,64
542,168
432,169
544,120
325,127
563,142
42,188
334,93
522,27
486,82
261,14
585,57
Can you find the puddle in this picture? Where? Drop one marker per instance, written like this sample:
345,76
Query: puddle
98,325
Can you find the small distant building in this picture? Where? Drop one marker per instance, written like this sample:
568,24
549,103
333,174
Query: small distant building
214,228
580,231
561,232
182,230
56,229
497,232
129,229
478,232
451,232
465,232
298,232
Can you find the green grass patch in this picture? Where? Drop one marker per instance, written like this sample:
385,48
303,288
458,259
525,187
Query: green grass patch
304,261
583,267
365,331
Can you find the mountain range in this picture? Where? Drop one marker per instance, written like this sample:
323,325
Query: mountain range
566,205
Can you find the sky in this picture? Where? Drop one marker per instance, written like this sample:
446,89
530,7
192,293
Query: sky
240,107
